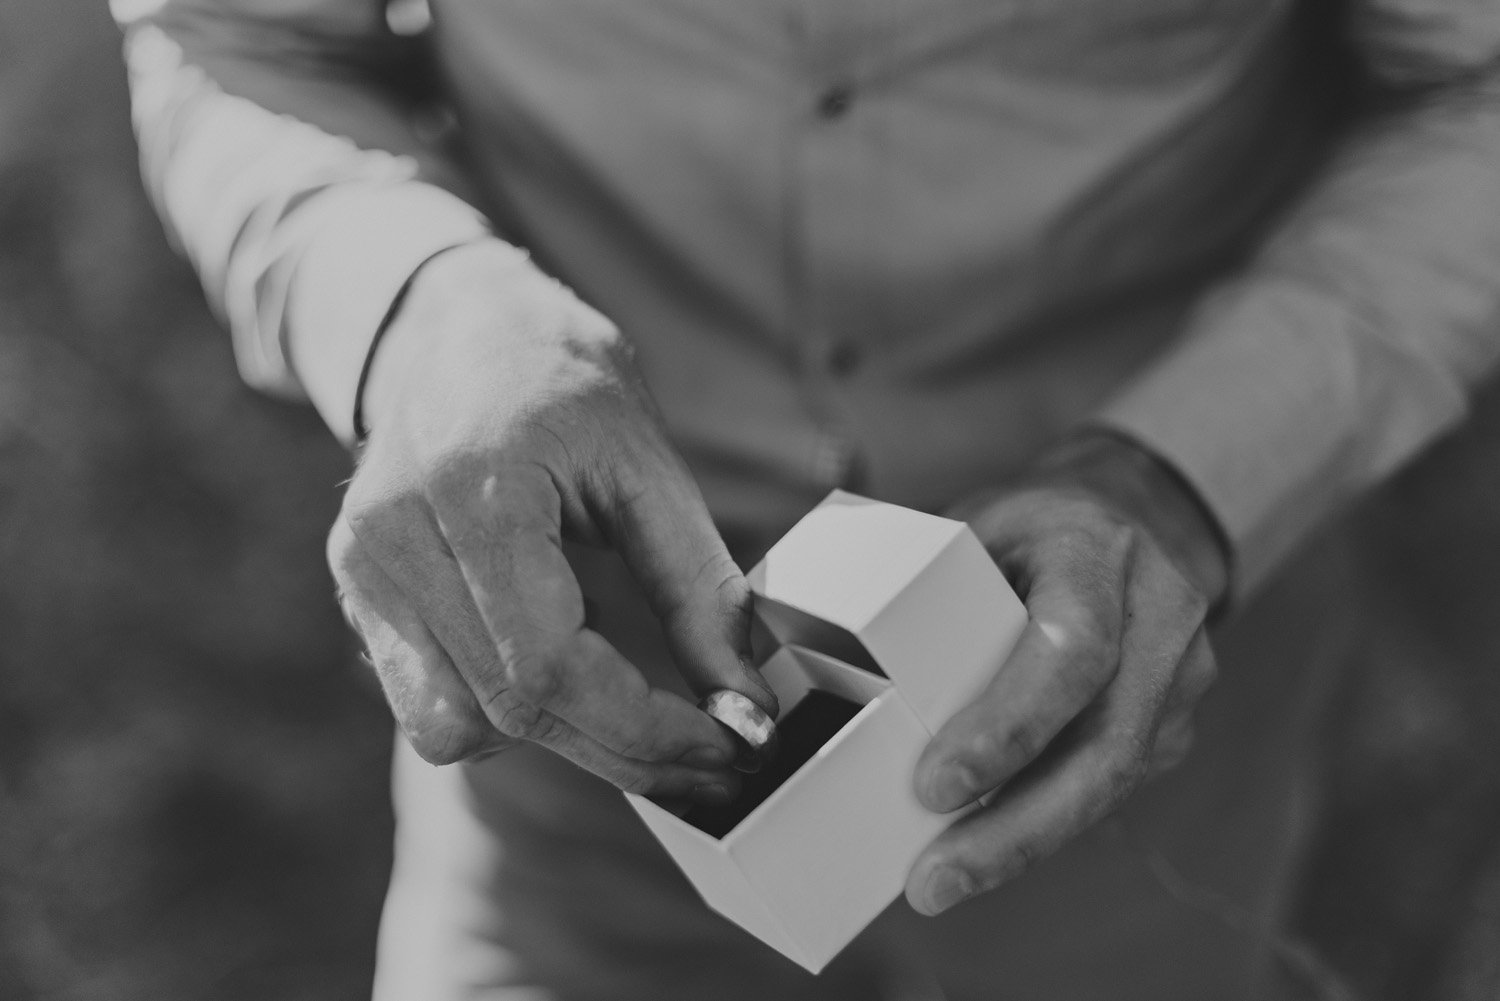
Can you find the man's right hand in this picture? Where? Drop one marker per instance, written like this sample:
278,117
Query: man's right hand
506,415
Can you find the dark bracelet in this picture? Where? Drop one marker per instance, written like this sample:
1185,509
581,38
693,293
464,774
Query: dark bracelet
360,431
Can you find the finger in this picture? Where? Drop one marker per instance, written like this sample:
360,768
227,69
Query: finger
1073,786
663,530
689,780
507,557
428,697
587,682
1097,760
660,780
398,530
440,713
1066,655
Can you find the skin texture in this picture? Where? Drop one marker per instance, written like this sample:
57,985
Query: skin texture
505,415
1118,566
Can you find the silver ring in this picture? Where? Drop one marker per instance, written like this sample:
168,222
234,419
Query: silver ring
753,730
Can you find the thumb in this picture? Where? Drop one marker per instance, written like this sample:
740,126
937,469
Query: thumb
663,531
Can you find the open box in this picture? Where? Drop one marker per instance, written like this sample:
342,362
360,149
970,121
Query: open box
904,615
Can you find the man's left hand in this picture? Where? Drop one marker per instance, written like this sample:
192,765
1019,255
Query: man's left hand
1118,564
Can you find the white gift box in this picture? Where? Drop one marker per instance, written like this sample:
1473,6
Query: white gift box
903,613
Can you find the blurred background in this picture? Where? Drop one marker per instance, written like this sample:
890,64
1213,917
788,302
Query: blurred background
193,794
193,769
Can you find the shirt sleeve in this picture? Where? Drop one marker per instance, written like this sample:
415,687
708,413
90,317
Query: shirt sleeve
1360,330
280,144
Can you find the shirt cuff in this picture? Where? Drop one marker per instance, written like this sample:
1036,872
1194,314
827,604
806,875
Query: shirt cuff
1278,406
361,244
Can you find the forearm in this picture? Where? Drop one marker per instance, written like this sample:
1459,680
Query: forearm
1354,338
281,154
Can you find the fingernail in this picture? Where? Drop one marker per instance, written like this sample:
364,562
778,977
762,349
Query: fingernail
706,757
711,794
950,786
946,887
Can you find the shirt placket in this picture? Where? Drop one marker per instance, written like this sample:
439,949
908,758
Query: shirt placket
825,102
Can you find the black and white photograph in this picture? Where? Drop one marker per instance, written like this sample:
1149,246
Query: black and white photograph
749,500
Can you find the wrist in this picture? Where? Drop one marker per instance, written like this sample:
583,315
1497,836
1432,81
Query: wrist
461,281
1142,488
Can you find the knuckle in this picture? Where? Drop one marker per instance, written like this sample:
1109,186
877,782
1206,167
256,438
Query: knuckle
525,721
1185,600
1193,603
1098,539
629,485
718,588
636,471
1097,632
461,483
344,594
626,776
1113,534
1086,634
507,480
342,551
378,529
732,601
454,475
1074,547
639,745
1024,855
368,508
361,589
730,588
1021,744
1086,669
351,567
534,677
1081,675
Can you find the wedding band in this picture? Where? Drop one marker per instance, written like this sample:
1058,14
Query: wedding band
754,731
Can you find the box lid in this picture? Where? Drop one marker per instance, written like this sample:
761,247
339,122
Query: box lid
911,595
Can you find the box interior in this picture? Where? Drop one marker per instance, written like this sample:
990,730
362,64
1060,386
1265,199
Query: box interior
787,625
819,697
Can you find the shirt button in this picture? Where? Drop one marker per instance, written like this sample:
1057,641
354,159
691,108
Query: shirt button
836,100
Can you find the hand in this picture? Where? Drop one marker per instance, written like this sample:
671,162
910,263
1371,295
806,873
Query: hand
506,415
1118,566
